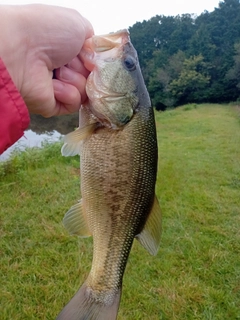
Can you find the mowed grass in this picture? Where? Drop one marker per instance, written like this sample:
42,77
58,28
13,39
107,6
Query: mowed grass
196,274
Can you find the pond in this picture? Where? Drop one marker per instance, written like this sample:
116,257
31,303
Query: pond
42,129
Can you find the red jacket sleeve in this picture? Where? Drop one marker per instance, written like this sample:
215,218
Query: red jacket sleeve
14,116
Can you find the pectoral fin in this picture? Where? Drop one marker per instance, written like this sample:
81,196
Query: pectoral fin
151,233
73,140
75,222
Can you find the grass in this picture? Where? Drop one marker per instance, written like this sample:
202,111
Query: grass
196,274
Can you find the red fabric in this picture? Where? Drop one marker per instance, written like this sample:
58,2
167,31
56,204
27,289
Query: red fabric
14,116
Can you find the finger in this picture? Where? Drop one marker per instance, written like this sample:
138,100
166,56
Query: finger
77,65
73,78
68,98
88,28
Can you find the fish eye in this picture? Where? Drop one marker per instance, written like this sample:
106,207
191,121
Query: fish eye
130,63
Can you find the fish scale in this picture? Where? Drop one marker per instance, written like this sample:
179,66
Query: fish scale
117,143
110,176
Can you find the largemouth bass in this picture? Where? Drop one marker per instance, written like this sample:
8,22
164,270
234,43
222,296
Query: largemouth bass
117,143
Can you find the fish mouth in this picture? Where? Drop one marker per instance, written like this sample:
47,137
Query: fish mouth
110,41
101,44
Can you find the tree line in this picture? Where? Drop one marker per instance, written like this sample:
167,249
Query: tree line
189,58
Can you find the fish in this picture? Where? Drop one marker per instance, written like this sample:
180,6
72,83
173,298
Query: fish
117,144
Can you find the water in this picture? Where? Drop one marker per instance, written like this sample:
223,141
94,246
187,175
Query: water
42,129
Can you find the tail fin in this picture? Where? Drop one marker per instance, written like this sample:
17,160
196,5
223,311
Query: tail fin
87,305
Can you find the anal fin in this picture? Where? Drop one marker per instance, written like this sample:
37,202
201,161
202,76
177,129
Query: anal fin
151,233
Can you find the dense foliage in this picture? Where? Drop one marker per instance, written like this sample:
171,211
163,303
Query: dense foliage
191,58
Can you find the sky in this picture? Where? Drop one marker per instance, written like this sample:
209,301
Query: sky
110,15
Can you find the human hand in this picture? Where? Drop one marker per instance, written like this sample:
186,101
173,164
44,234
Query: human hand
34,41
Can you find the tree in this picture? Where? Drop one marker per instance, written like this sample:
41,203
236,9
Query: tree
192,82
169,49
159,81
234,73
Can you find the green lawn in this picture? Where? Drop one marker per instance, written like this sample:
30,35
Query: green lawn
196,274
